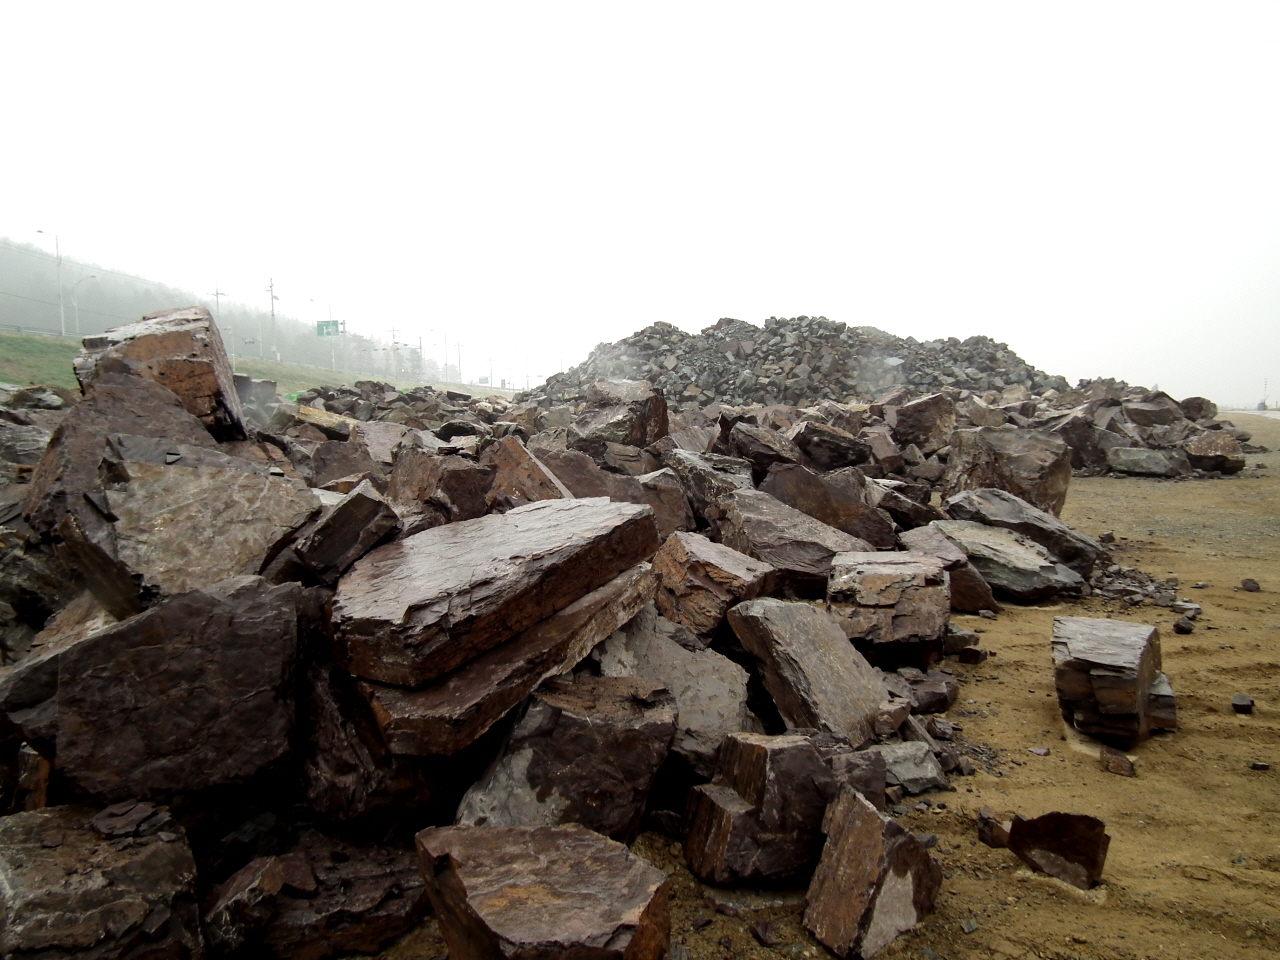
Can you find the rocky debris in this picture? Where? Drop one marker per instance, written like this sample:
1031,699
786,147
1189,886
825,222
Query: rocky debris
1215,450
833,504
970,593
1032,465
412,610
448,715
519,474
1162,705
926,422
816,678
1104,671
34,588
710,690
707,478
760,817
893,605
1148,463
243,905
182,351
586,751
543,892
991,831
438,488
1242,703
70,891
912,766
799,548
213,668
339,898
623,412
1069,846
698,580
1012,564
874,881
828,447
1114,761
998,508
345,532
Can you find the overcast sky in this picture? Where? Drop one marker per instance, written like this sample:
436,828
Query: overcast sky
1096,184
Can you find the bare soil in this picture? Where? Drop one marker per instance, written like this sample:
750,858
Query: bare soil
1194,863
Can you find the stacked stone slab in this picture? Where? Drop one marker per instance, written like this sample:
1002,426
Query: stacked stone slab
1107,674
893,605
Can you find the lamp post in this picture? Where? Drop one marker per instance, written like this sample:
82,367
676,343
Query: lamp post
62,312
75,302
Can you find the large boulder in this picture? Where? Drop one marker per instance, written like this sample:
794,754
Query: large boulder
926,422
834,504
893,605
707,477
1148,463
554,893
412,610
700,579
1215,450
1011,563
828,447
999,508
1030,464
970,593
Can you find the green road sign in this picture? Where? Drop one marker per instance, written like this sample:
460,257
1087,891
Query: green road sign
327,328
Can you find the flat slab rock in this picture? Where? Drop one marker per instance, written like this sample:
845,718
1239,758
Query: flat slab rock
875,880
1011,563
412,610
1069,846
700,579
71,891
999,508
815,676
586,751
1105,671
544,893
890,597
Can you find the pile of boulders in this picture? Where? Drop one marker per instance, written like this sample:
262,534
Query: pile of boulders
255,646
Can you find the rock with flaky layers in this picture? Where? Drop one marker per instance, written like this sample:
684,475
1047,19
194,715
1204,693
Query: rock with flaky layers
1070,846
699,580
875,880
1011,563
893,605
543,893
999,508
1104,671
115,404
969,592
195,692
447,715
70,891
179,349
519,474
926,421
1030,464
1215,450
710,689
586,751
345,532
815,676
412,610
798,547
834,504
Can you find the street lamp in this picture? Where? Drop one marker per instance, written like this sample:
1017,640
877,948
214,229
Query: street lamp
62,313
75,287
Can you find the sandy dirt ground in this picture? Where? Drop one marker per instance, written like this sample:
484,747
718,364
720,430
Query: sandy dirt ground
1194,863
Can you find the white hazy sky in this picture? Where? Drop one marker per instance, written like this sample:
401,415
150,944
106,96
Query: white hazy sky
1096,184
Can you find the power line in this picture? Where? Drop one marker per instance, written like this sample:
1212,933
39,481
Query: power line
54,303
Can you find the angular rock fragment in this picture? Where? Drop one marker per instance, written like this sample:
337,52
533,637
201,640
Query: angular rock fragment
1148,463
1069,846
662,491
885,452
994,833
1114,761
339,898
969,591
762,448
875,880
1162,705
1031,464
999,508
453,486
586,751
1104,671
346,532
70,892
545,892
195,692
1011,563
912,766
182,351
815,676
699,580
413,610
832,504
445,716
926,422
518,473
893,605
707,477
828,447
798,547
760,818
710,689
1215,450
243,905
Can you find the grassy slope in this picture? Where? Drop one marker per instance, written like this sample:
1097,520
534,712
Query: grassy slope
31,358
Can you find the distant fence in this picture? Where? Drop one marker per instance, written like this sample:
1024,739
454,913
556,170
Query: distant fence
42,331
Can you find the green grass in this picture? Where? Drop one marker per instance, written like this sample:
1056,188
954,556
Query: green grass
27,358
31,358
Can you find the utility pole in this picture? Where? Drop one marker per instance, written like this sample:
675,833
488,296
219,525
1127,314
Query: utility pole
62,312
271,289
217,316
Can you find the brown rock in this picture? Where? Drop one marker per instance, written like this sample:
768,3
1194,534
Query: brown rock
454,486
1215,450
889,496
201,683
894,606
969,591
1069,846
586,751
699,580
832,504
1113,761
331,460
815,676
999,508
762,448
1198,408
446,716
926,422
94,898
828,447
362,898
243,905
468,586
518,473
115,404
544,892
798,547
346,532
1030,464
182,351
885,452
1104,671
707,477
874,881
993,832
662,492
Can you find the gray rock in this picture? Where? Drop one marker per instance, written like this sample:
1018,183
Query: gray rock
1010,563
894,605
1104,671
1148,463
912,766
999,508
1031,464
